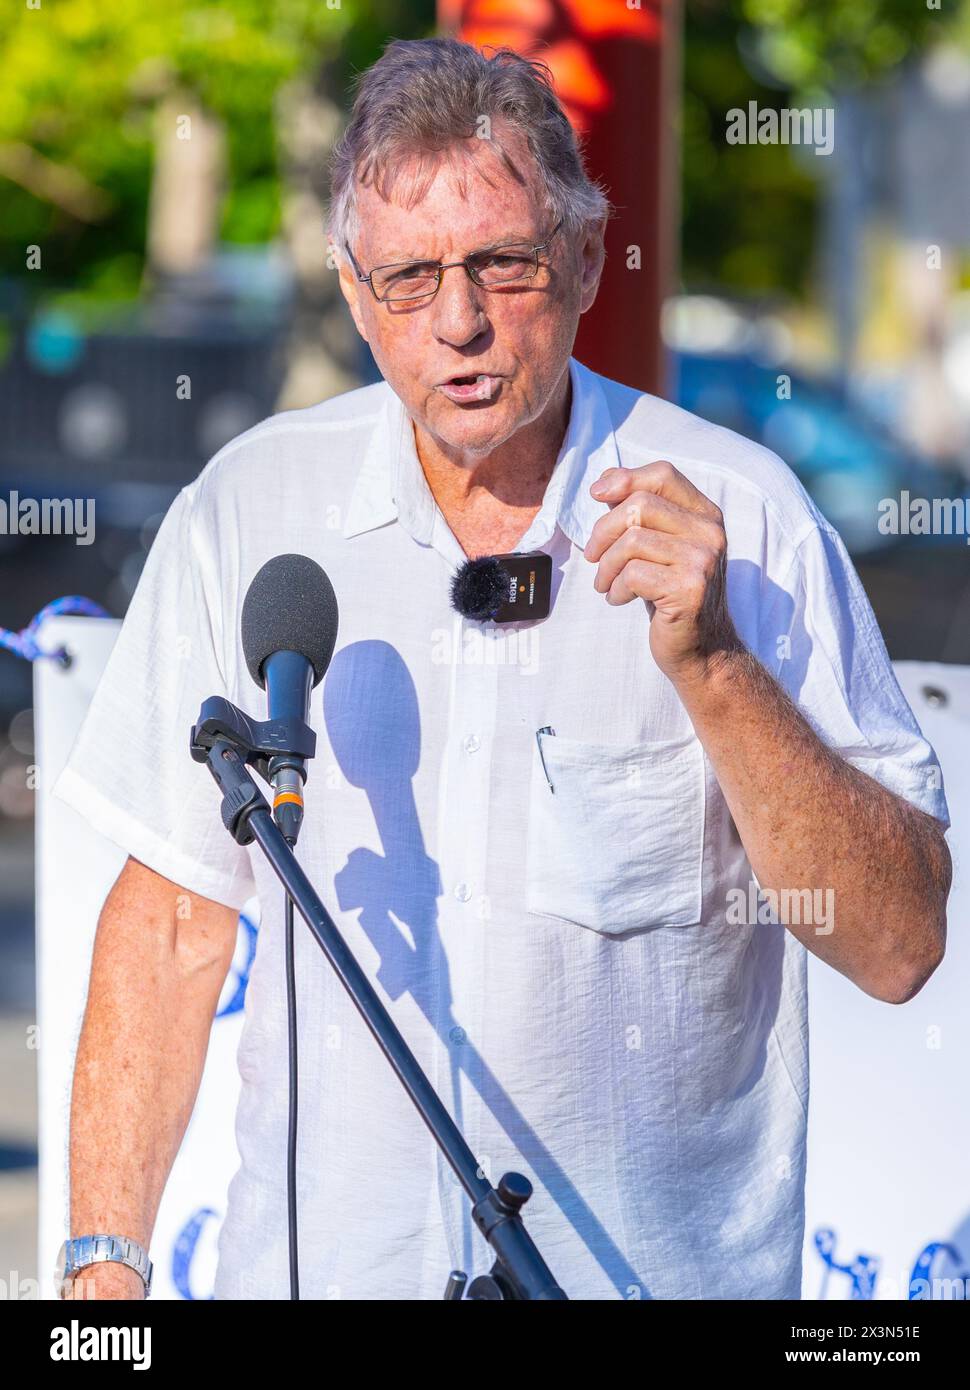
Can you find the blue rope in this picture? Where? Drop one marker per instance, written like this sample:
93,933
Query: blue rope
24,643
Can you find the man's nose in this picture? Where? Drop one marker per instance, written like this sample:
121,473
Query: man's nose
458,311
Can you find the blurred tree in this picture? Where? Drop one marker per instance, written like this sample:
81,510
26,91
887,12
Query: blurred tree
83,86
749,210
138,137
810,44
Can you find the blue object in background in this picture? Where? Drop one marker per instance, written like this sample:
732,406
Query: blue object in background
54,343
845,460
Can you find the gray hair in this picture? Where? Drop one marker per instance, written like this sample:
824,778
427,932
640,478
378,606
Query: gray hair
424,95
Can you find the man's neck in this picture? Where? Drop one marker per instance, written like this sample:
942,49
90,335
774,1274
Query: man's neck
490,500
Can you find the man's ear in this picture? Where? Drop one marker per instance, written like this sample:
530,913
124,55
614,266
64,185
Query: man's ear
592,259
349,285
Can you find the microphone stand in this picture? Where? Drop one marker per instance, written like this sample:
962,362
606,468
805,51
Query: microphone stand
228,741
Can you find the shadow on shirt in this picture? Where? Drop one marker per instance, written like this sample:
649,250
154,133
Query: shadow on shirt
368,692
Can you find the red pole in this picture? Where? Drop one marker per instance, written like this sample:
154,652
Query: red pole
616,70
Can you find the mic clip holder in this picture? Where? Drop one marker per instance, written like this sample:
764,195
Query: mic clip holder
256,742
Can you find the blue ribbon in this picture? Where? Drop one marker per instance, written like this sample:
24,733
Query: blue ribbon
24,643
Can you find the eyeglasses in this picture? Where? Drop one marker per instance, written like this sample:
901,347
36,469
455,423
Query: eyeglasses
499,265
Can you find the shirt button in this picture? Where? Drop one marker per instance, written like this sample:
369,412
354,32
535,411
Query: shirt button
462,892
472,743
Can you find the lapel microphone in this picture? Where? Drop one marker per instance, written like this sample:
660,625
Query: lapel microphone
513,588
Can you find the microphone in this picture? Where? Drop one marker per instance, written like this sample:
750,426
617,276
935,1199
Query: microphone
510,588
289,631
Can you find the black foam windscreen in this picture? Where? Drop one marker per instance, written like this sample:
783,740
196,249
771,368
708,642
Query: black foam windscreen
478,587
289,607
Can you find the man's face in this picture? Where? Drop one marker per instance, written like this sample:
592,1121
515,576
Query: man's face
519,336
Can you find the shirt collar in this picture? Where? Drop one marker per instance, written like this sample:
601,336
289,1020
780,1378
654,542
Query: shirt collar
391,484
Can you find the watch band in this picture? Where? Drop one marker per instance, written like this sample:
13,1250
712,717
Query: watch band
86,1250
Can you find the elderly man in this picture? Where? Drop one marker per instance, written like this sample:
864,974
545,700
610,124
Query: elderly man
581,858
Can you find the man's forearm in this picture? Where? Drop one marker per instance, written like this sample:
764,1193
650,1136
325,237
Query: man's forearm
139,1065
809,820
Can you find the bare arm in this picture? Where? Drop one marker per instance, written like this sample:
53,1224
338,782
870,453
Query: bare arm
809,821
161,956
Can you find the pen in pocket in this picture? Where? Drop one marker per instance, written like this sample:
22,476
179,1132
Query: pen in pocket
544,730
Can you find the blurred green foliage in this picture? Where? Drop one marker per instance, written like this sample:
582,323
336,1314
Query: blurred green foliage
81,81
826,43
749,211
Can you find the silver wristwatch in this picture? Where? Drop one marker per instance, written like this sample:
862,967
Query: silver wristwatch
85,1250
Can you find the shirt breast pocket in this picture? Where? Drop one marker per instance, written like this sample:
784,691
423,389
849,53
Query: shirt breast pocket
616,842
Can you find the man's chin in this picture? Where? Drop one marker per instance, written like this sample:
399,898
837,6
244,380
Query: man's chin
478,428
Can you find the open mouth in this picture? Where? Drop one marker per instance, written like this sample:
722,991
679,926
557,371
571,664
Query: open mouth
474,386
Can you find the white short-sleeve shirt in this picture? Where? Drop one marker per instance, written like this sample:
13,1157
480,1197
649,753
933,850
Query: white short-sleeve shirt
547,919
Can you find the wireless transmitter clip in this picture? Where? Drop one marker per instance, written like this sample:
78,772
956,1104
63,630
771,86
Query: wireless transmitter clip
513,588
